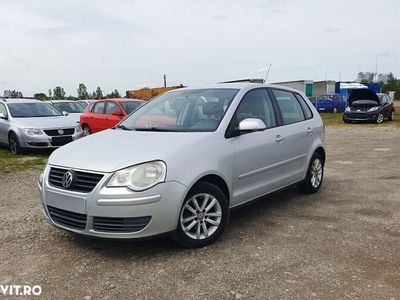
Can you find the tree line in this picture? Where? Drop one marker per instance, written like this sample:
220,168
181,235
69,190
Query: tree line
58,93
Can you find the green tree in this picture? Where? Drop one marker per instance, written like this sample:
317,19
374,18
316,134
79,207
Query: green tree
7,94
40,96
58,93
99,93
82,92
393,84
114,94
12,94
50,94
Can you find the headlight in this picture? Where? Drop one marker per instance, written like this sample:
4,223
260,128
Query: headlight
140,177
32,131
78,128
348,109
373,108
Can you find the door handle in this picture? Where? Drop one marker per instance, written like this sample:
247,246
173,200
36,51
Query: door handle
279,139
309,130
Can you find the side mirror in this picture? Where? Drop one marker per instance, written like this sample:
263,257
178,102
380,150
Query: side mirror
3,116
117,113
252,124
65,113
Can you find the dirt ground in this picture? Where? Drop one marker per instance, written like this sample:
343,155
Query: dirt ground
343,242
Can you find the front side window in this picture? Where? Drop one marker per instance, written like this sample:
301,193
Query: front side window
182,111
256,104
70,107
98,108
289,106
32,110
3,109
131,106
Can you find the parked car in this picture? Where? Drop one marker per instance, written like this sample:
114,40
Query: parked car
73,109
105,114
229,144
34,124
366,105
331,103
85,103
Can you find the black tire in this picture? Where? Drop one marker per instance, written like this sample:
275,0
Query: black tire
335,110
183,238
86,130
345,120
306,186
14,144
391,116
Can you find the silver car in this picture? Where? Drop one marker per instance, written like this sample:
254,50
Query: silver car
180,163
34,124
72,109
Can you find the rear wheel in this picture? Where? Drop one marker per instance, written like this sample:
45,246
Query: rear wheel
14,144
315,174
203,216
379,118
391,116
86,130
335,110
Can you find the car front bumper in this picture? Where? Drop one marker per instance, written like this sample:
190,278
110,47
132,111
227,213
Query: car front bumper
46,142
358,116
116,213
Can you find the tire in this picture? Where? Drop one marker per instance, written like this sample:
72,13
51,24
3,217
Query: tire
335,110
315,175
195,217
86,130
379,118
345,120
14,145
391,116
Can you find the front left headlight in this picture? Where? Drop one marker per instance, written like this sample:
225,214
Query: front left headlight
32,131
78,129
140,177
373,108
348,109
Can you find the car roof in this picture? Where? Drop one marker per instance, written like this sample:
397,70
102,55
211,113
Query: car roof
55,101
121,99
19,100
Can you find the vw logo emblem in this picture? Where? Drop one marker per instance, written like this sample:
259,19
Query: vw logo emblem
60,131
67,179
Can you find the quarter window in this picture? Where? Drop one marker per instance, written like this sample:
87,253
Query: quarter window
257,104
98,108
290,108
304,106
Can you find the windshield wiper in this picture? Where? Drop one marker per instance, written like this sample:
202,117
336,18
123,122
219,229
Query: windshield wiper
155,129
123,127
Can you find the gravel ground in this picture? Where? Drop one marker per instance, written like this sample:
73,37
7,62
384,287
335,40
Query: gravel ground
343,242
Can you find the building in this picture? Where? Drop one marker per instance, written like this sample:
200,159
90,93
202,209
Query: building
365,77
324,87
305,86
148,93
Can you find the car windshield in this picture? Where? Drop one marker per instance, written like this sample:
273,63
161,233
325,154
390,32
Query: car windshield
32,110
70,107
364,102
182,111
131,106
83,103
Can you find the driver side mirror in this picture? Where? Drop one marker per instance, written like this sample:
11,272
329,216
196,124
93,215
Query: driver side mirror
65,113
117,113
3,116
251,124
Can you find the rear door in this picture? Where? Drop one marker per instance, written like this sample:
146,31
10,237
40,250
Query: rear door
297,133
97,117
111,120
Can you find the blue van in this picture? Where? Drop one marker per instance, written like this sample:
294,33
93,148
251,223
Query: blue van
331,103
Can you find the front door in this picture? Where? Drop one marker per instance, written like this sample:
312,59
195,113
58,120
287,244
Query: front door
4,125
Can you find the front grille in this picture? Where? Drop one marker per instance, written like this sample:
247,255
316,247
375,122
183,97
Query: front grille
54,132
359,116
61,140
67,218
120,224
82,182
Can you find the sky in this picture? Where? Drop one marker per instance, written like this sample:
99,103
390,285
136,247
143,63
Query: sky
130,44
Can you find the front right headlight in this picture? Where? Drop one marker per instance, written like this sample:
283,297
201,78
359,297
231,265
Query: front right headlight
348,109
32,131
373,108
140,177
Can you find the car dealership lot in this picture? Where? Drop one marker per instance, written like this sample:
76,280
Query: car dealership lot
342,242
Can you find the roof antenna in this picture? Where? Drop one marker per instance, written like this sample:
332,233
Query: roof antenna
266,76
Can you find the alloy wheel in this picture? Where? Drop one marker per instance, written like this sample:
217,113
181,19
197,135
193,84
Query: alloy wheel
379,118
86,131
201,216
316,173
13,144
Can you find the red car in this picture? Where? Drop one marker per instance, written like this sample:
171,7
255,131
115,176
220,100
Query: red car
106,113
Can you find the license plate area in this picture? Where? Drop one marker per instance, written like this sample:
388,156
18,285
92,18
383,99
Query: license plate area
61,140
66,202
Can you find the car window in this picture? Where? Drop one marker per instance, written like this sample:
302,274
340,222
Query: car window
304,106
111,107
384,99
83,103
3,109
257,104
289,106
98,108
32,110
70,107
131,106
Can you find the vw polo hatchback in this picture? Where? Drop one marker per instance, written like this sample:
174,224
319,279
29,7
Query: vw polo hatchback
180,163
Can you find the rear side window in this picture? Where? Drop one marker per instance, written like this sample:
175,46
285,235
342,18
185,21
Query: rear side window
111,107
98,108
304,106
290,108
3,109
257,104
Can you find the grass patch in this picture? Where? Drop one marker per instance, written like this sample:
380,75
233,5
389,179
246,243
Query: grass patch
331,119
10,162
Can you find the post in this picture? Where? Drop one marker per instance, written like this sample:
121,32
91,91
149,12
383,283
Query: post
165,81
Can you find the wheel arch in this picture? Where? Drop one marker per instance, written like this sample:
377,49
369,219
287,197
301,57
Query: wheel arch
216,180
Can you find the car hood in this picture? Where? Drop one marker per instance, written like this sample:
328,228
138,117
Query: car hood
363,94
112,150
46,122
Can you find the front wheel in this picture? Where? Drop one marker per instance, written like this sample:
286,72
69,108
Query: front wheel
391,117
335,110
379,118
14,144
203,216
315,174
86,130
